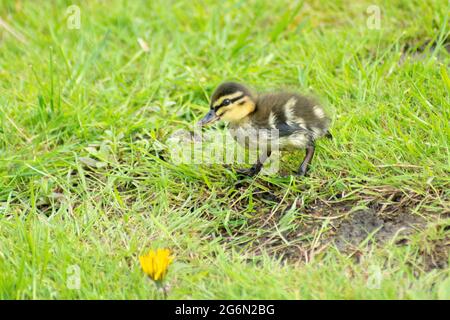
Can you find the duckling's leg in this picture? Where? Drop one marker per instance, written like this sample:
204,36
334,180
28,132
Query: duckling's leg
256,168
306,161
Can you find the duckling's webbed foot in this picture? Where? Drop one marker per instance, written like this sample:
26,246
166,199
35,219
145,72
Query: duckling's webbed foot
303,169
256,168
253,171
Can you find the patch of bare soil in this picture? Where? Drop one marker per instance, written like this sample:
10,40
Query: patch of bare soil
418,50
296,232
368,225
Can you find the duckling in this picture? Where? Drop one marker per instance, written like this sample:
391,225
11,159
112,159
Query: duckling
300,120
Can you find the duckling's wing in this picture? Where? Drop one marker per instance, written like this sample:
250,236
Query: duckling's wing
285,129
290,114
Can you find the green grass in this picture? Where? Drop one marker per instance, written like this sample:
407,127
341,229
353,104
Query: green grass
71,94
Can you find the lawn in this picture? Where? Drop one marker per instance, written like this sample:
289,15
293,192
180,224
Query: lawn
87,107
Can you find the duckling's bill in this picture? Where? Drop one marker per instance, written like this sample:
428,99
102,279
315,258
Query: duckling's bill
209,118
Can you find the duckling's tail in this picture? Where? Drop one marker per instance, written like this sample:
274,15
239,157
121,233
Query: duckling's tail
329,135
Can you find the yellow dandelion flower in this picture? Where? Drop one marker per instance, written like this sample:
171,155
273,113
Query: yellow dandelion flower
156,263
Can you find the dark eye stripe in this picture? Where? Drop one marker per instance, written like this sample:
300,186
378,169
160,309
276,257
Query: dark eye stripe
231,100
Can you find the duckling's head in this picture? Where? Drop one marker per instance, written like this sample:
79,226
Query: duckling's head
230,102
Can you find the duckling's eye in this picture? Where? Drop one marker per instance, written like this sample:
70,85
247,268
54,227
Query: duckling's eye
226,102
